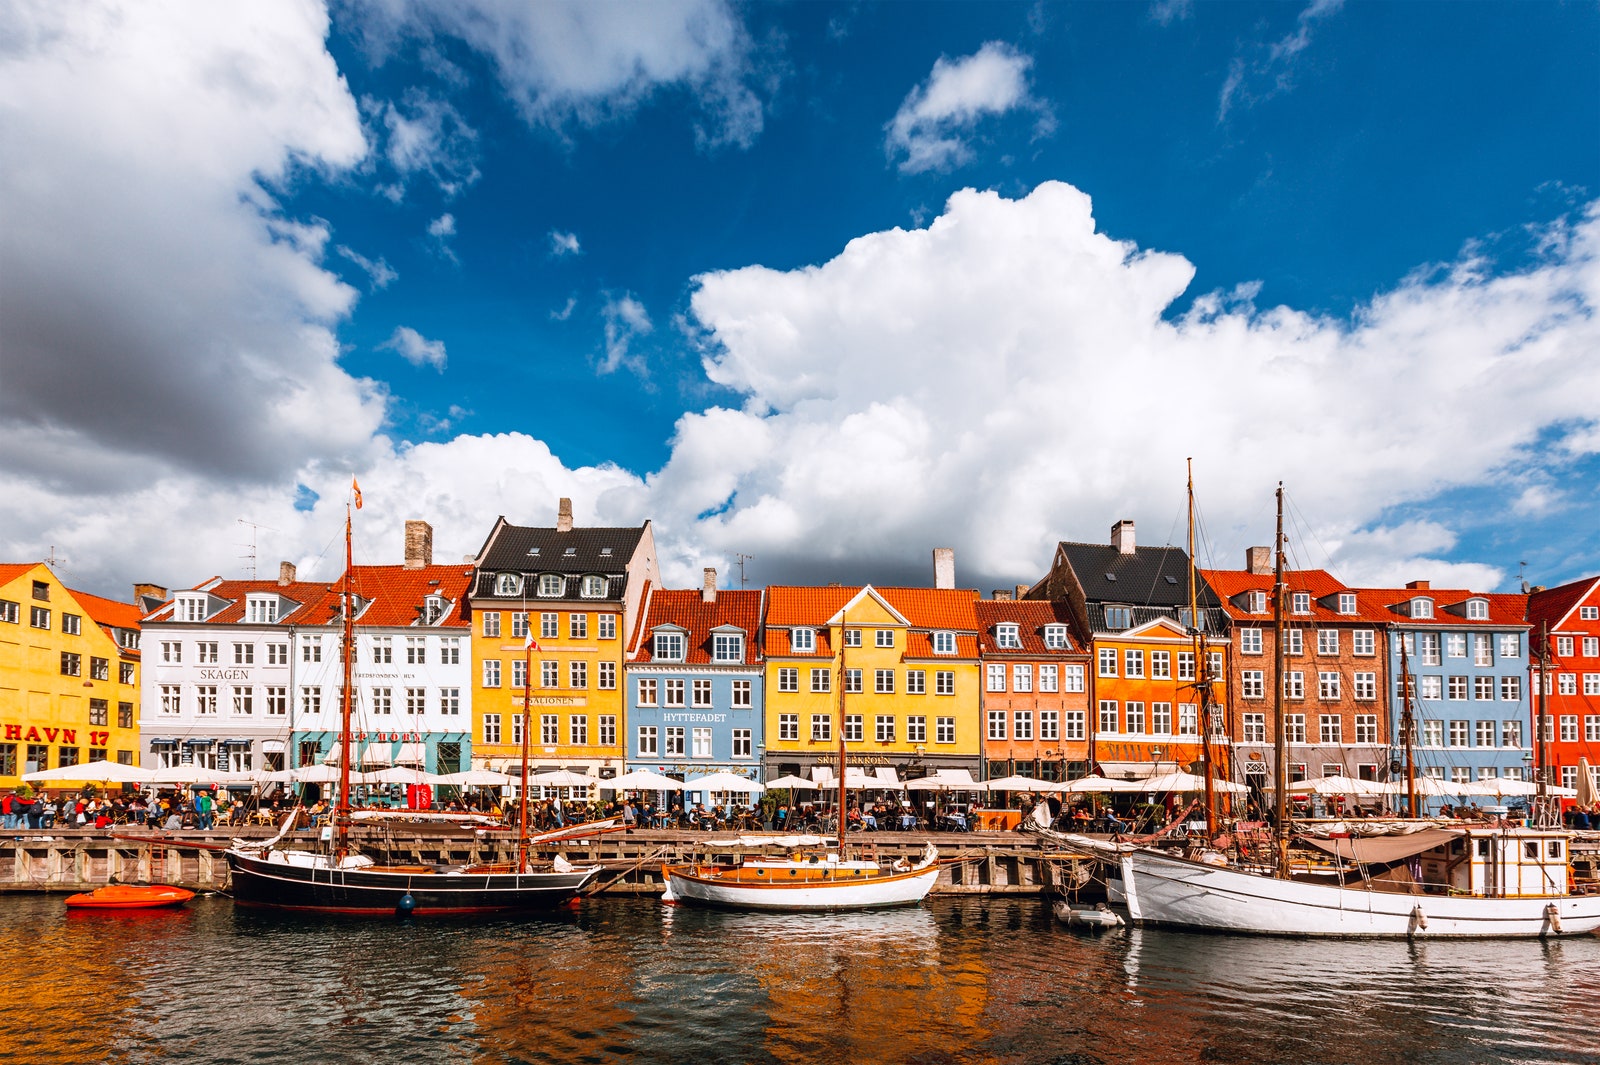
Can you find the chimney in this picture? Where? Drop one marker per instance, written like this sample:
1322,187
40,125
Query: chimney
564,517
419,544
1422,585
1258,561
708,585
1022,591
1122,536
944,567
148,591
1001,595
286,573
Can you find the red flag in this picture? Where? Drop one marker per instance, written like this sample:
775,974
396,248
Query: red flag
356,488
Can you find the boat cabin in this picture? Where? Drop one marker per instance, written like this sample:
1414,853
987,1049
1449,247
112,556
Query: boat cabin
1500,863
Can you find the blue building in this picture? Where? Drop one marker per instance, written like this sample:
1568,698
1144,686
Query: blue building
694,685
1467,657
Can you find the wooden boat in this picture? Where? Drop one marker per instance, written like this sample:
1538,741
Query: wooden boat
818,879
1493,880
1097,917
130,897
340,880
816,873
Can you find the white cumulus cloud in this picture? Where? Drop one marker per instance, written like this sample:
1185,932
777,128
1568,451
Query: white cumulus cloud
625,321
415,348
563,243
933,128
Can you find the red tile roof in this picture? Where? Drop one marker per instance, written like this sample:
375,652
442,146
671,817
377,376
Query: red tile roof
10,571
924,608
108,612
1030,616
1505,608
1228,583
1551,606
688,610
395,594
305,593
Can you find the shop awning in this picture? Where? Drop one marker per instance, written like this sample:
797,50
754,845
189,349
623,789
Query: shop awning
198,743
271,746
1380,850
411,754
163,743
236,742
378,753
1136,770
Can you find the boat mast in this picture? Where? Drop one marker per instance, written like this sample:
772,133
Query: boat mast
1202,664
527,729
844,684
1540,755
1408,731
1280,745
347,655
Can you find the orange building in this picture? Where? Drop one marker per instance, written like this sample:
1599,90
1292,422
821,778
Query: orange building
1130,605
1035,690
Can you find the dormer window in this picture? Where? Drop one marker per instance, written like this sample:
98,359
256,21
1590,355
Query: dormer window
727,647
508,584
1347,602
1119,618
1055,637
189,608
1478,609
594,587
1007,636
432,609
1300,602
944,643
803,640
1258,602
1422,608
551,584
669,647
261,610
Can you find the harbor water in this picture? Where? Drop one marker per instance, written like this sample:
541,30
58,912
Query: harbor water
630,980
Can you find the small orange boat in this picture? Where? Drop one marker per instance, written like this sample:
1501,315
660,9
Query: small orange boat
130,897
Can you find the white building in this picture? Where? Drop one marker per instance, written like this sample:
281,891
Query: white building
246,675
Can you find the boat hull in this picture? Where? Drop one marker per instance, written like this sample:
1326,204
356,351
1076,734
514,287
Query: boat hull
322,889
130,897
895,889
1161,889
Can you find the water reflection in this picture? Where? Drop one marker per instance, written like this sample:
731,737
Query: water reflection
980,981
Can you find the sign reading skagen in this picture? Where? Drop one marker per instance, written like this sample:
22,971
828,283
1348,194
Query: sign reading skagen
224,674
553,700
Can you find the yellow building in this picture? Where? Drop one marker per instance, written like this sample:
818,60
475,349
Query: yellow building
69,675
907,662
576,592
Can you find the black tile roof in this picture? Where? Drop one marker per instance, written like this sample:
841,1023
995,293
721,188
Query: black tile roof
574,554
1211,618
1138,579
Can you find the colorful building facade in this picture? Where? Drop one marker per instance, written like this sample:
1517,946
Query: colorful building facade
1335,683
1035,690
1564,623
1130,606
695,684
903,661
69,675
562,600
1466,657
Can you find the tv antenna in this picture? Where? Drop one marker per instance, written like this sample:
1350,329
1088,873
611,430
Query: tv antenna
52,559
1522,579
742,560
250,555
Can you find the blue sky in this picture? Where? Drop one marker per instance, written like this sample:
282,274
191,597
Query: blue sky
485,255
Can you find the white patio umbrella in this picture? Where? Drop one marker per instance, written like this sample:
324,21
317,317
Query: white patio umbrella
855,780
724,782
479,778
944,780
195,774
1099,785
325,774
402,775
1189,782
792,781
645,780
1500,787
1020,783
562,778
1339,785
101,772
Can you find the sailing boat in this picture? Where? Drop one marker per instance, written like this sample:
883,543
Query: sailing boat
811,875
1489,880
342,880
